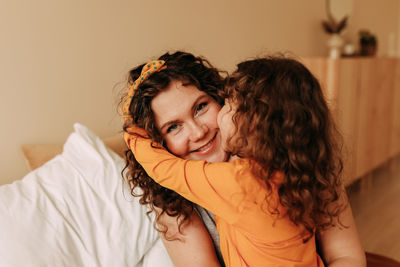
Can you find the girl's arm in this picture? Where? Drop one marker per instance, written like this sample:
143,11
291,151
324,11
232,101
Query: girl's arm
194,247
342,246
213,186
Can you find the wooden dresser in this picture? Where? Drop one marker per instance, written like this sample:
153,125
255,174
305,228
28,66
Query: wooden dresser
364,94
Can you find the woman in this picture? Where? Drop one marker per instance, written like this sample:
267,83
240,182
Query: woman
178,107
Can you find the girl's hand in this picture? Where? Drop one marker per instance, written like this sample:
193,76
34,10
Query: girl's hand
232,158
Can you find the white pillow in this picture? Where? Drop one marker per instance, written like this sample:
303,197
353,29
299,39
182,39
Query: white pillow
73,211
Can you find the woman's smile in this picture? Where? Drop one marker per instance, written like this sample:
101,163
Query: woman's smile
208,147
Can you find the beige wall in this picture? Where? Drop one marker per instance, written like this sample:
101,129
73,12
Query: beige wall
60,61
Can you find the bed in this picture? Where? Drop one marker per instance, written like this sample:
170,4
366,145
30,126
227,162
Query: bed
74,210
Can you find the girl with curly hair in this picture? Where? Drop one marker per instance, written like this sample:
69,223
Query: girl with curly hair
284,184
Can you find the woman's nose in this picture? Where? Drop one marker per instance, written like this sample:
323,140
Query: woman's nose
198,131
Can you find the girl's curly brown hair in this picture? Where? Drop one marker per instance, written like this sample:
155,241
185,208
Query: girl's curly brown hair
181,66
284,124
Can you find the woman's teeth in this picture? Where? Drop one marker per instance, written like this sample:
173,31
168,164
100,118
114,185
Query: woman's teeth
206,146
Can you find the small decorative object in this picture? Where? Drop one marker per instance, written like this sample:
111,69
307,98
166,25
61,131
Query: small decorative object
349,50
335,43
334,28
368,43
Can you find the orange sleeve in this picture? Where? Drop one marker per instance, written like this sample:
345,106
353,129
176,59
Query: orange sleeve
214,186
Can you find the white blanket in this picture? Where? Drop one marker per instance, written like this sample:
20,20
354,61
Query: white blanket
73,211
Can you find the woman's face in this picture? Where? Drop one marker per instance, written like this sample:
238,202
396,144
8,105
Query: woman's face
187,119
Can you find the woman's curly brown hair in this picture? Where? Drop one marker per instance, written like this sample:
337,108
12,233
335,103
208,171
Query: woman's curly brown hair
284,124
181,66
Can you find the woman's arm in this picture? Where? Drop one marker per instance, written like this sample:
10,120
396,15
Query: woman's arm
342,246
192,246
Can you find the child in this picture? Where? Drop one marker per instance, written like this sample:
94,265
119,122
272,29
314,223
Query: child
284,185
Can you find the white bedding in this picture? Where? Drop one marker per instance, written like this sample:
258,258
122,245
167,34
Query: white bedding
72,211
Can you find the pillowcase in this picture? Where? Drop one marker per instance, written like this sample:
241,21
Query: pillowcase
75,211
37,155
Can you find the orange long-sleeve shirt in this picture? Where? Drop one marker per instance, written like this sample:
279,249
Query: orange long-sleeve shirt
249,234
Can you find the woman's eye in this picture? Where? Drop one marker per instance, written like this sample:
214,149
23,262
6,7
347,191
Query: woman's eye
201,106
172,128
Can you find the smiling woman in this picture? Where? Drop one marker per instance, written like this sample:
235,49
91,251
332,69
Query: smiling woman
190,129
178,105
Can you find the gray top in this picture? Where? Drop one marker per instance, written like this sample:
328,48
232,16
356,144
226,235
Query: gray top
209,222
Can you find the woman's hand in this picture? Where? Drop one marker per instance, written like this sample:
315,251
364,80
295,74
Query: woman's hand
192,246
342,246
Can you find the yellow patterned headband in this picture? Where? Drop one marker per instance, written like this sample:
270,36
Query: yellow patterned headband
148,69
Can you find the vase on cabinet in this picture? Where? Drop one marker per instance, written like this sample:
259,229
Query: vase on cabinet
335,44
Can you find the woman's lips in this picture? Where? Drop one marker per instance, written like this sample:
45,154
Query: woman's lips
207,147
